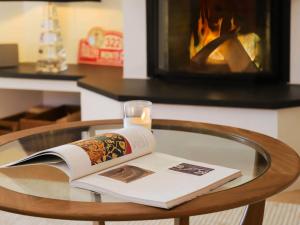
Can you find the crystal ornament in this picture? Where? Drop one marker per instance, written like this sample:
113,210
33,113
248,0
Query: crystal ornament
51,52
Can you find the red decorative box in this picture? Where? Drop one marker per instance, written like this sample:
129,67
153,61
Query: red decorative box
101,48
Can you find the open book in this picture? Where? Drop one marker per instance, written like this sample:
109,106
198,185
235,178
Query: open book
125,165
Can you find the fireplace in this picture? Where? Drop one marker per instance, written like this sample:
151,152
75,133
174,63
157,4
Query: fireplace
219,40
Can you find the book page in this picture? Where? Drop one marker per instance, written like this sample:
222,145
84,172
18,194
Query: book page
158,180
110,149
64,157
97,153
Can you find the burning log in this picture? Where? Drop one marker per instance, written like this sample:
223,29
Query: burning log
201,57
236,56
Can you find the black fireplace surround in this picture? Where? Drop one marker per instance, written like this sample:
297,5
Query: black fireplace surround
213,40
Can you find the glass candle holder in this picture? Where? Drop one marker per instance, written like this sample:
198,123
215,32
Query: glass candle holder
137,113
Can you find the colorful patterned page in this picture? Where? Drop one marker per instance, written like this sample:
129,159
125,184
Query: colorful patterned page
105,147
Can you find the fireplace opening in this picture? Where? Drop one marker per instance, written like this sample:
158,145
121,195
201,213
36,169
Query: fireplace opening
228,39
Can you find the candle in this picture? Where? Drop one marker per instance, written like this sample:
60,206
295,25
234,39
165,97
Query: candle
137,121
137,113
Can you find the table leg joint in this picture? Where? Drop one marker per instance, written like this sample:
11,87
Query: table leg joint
182,221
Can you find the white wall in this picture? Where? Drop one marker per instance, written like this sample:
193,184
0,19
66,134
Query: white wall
13,102
259,120
289,127
135,36
98,107
60,98
295,44
135,65
20,22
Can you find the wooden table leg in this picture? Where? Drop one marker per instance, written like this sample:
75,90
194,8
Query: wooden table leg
182,221
98,198
254,214
99,223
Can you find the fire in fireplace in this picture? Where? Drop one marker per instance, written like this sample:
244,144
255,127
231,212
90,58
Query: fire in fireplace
229,39
218,37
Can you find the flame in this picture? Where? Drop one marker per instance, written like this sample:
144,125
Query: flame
206,34
143,116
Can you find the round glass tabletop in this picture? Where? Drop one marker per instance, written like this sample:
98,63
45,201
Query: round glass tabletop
199,145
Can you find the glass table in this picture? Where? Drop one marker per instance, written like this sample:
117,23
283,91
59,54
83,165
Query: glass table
46,190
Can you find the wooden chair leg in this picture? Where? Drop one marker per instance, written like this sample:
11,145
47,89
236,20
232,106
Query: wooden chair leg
182,221
254,214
